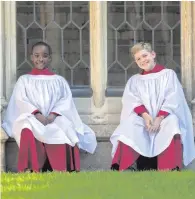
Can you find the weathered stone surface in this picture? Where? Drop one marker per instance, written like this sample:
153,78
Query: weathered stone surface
100,160
191,166
193,114
11,155
3,138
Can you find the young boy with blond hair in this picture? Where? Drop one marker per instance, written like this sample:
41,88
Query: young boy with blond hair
155,118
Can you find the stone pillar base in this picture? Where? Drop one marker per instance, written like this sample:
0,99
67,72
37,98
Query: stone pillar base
3,139
193,114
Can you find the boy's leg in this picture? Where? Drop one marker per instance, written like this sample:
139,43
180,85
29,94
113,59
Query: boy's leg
124,157
63,157
73,158
178,151
56,154
76,158
31,152
171,158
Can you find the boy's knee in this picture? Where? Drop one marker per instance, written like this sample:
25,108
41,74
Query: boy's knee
26,133
172,119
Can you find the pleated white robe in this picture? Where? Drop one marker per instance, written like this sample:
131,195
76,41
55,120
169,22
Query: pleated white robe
156,91
47,94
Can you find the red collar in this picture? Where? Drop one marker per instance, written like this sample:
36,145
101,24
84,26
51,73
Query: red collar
45,71
156,69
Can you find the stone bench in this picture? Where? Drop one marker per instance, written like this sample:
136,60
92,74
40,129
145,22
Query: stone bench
100,160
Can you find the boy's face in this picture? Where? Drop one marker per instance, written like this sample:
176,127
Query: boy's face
145,59
40,57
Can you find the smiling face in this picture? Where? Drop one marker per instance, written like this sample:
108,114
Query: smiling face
40,57
145,59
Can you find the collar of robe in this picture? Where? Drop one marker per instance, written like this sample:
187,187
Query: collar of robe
44,71
156,69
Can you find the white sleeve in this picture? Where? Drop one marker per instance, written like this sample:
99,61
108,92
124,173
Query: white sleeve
18,105
130,99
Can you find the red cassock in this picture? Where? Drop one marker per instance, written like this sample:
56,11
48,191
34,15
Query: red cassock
37,156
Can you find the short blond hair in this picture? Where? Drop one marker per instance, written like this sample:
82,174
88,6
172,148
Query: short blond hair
141,46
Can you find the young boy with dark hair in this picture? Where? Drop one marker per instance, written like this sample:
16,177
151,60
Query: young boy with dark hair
43,119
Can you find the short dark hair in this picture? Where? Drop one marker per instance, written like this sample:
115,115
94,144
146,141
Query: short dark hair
42,43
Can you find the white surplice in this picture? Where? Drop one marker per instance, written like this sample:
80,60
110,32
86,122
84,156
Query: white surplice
47,94
156,91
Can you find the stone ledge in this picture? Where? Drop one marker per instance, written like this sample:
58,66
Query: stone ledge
3,138
193,113
3,135
100,160
3,104
99,139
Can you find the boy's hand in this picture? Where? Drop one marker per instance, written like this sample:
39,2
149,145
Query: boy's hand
148,120
156,124
51,118
41,118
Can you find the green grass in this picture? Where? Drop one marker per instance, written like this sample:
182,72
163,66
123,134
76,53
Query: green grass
99,185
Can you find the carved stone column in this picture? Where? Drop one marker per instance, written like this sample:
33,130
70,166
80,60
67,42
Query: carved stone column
3,135
10,46
98,52
187,35
193,66
188,52
193,114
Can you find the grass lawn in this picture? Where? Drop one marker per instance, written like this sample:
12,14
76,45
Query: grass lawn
99,185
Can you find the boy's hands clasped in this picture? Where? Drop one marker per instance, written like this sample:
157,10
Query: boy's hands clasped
45,120
51,118
152,125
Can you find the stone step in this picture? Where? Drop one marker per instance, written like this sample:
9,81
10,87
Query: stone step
100,160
